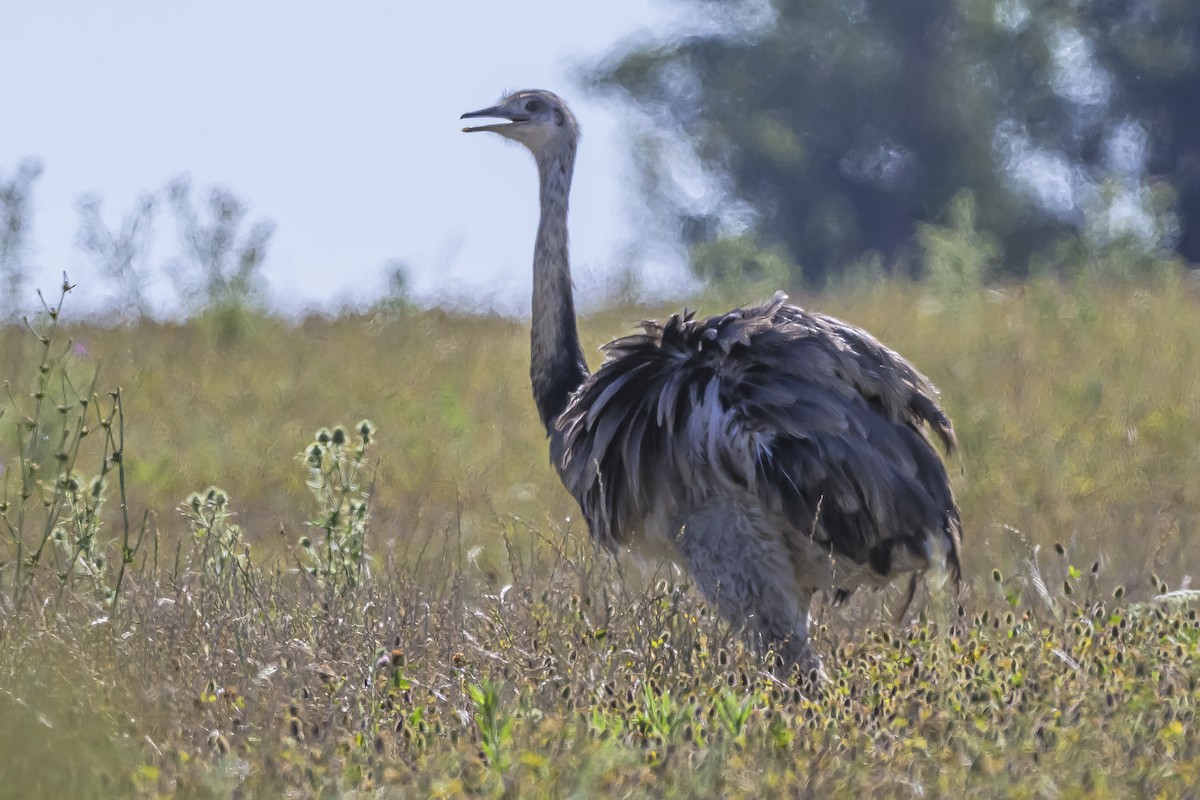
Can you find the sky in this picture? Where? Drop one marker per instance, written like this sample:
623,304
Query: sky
339,122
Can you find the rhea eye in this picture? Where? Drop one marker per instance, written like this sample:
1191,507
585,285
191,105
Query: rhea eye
534,106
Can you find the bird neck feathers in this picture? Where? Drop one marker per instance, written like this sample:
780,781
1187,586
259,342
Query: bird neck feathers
557,365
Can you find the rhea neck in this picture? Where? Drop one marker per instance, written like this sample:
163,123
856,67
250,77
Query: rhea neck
557,366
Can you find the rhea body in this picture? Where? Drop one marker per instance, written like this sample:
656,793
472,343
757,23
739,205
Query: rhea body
772,451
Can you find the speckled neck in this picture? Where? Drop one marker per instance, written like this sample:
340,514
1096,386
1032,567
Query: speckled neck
557,366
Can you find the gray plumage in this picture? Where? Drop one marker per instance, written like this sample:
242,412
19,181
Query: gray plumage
775,452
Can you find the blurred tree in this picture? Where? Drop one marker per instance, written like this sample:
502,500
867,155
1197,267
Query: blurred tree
958,258
120,254
15,218
1152,48
737,263
397,295
219,268
843,124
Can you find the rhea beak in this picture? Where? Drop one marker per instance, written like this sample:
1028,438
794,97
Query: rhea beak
495,112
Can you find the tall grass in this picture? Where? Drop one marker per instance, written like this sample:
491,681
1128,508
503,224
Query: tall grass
411,608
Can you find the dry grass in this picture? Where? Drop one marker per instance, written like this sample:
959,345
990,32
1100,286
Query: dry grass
481,647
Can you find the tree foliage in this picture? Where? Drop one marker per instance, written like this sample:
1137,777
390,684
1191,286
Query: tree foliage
15,219
838,127
220,267
121,253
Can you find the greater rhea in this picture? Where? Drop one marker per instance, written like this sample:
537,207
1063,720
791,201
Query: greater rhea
774,452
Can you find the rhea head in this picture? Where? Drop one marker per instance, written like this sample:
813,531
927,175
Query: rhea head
536,118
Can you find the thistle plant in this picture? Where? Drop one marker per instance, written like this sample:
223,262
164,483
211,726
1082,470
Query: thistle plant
78,536
735,710
49,512
224,555
661,716
337,476
495,730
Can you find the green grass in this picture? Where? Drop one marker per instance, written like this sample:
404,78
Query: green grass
480,646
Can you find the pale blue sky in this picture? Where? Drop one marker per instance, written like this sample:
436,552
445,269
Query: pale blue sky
337,121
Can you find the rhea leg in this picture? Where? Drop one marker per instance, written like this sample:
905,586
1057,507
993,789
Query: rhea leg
743,568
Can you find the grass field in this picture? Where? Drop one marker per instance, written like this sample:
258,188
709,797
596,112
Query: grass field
421,615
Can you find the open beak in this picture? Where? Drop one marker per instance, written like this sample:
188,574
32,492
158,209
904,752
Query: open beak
494,112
